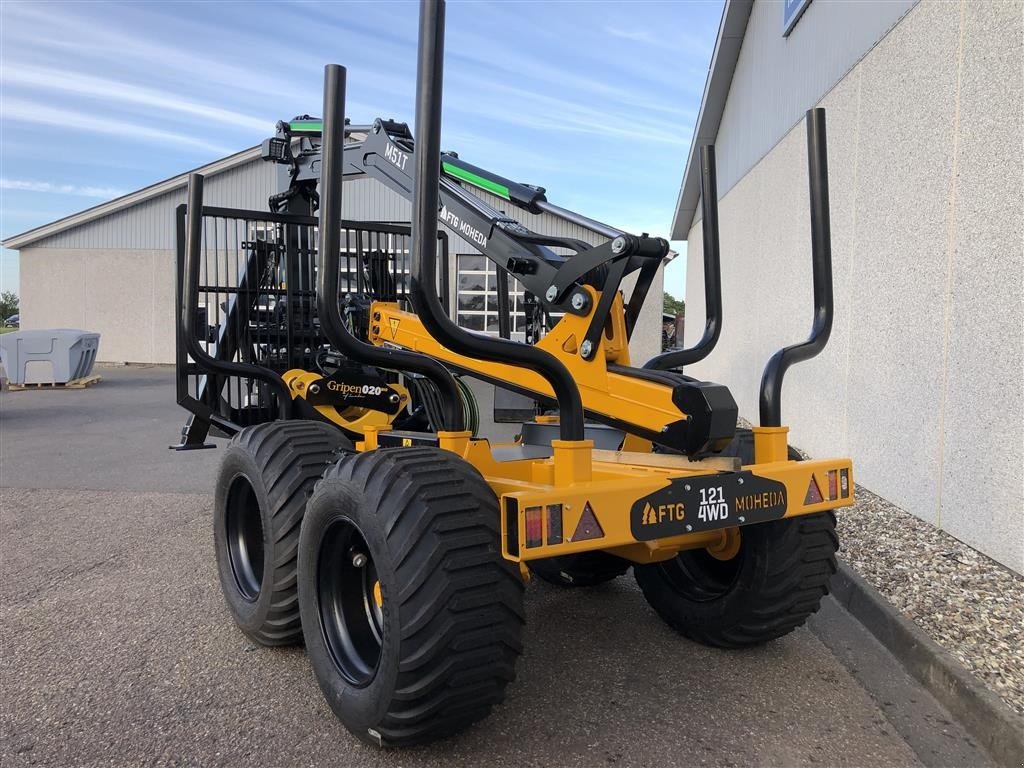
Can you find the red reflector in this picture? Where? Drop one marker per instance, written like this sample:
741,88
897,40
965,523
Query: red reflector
813,493
844,482
554,524
534,526
833,485
588,527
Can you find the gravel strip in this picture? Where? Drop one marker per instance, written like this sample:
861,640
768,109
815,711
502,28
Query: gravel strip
970,605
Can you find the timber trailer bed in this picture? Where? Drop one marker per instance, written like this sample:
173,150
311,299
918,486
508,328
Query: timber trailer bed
356,509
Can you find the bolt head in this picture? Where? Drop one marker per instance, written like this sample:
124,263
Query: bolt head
314,388
687,487
358,559
618,244
551,293
394,398
586,348
743,519
689,527
579,300
739,481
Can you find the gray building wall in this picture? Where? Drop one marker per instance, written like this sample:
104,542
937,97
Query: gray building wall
777,77
115,275
920,383
150,225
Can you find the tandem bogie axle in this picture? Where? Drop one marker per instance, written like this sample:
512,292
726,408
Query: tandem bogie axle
358,510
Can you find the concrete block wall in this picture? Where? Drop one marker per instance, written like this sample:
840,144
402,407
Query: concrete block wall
125,295
921,382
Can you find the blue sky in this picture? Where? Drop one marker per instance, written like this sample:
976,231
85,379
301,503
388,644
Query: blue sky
595,101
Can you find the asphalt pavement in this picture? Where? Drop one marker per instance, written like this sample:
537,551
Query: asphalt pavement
117,648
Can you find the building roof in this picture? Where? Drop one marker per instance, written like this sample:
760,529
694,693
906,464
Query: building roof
17,242
731,30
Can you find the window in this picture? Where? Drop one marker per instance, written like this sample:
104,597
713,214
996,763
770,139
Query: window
477,301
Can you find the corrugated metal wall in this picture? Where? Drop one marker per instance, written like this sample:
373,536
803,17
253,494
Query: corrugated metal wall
150,225
369,200
778,78
136,244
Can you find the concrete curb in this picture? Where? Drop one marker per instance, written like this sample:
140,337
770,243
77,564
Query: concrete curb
997,728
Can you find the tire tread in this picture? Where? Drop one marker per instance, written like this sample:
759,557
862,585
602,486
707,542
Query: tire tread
291,457
460,602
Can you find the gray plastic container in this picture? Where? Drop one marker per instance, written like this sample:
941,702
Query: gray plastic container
55,356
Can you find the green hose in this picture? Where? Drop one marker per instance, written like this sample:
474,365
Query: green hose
469,406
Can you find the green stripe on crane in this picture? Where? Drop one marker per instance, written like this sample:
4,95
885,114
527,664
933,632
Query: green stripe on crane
477,181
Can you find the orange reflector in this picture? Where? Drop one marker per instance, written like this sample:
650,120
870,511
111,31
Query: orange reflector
534,526
554,524
813,493
844,482
833,485
588,527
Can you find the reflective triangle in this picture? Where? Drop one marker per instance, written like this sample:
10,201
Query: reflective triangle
813,493
588,527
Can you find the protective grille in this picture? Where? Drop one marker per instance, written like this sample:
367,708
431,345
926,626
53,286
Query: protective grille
255,303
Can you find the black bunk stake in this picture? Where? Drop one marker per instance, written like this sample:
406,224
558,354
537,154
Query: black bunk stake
821,260
333,155
423,290
712,273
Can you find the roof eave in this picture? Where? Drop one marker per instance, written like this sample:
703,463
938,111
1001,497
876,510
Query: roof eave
731,30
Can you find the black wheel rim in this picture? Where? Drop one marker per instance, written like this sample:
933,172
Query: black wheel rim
351,620
698,576
245,538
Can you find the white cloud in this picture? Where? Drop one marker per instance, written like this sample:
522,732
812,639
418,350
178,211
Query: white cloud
40,114
113,90
60,28
530,109
27,185
677,41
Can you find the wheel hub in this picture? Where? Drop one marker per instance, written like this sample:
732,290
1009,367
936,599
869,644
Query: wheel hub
244,532
351,602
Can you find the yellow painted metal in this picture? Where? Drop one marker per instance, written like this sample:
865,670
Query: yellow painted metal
645,403
573,461
369,442
611,488
637,444
578,481
614,489
770,444
353,419
727,547
660,550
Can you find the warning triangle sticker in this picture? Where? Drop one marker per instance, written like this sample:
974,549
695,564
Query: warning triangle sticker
394,322
813,493
588,527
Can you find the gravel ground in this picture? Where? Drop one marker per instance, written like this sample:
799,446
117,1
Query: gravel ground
969,604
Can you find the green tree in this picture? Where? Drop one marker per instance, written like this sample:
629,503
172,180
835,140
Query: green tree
8,304
674,306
